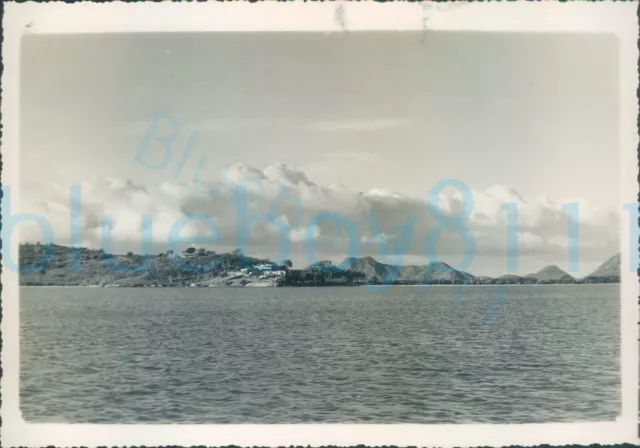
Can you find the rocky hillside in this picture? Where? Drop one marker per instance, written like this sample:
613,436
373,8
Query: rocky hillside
95,268
607,272
435,272
371,269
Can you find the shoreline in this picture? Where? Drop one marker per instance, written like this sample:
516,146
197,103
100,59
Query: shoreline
83,267
307,286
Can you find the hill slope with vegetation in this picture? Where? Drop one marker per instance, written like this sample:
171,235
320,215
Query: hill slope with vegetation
54,265
607,272
552,274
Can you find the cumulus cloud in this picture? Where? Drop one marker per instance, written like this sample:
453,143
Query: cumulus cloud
280,207
283,174
379,238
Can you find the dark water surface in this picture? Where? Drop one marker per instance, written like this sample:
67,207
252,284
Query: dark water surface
289,355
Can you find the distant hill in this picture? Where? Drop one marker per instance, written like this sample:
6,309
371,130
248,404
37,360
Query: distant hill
607,272
208,268
324,266
436,272
551,273
97,268
371,268
509,279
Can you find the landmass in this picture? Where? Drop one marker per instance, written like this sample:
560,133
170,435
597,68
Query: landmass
65,266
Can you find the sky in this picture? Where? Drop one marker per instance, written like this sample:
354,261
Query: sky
361,124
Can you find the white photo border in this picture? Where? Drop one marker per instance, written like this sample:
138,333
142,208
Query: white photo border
617,18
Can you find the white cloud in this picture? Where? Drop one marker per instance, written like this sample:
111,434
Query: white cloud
379,238
383,193
529,240
304,233
340,219
284,174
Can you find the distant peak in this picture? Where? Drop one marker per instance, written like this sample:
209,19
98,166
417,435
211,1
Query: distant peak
551,272
552,267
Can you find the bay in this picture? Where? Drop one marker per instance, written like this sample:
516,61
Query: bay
432,354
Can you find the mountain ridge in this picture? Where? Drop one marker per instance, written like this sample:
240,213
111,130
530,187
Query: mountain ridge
207,268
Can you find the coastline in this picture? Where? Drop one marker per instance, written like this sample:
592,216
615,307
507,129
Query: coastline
327,286
54,265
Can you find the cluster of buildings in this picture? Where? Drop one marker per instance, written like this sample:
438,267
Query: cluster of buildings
263,271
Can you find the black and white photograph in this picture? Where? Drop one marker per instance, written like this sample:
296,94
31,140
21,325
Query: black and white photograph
355,227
